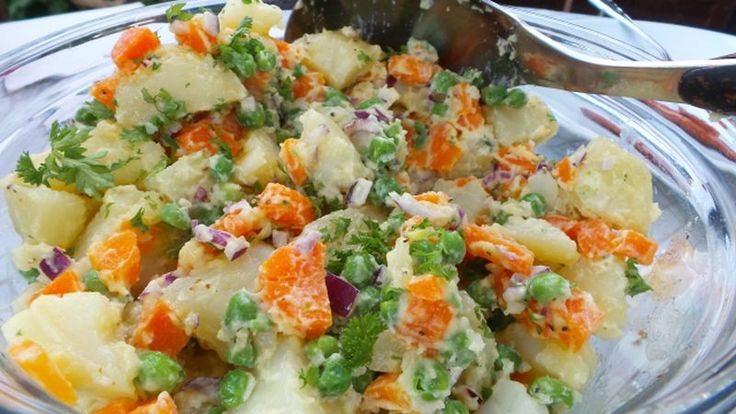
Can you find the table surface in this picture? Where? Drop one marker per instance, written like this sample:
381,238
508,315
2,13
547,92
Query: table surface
681,42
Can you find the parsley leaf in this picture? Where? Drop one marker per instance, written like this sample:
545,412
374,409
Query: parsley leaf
30,275
27,171
364,57
358,337
337,231
137,220
93,112
175,12
221,164
635,283
169,109
373,240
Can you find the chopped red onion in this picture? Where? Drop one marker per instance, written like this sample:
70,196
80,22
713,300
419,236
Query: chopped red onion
460,220
358,192
363,125
55,263
233,247
380,275
391,81
201,195
279,238
380,114
157,284
496,177
179,27
211,24
439,215
170,277
362,114
341,293
307,240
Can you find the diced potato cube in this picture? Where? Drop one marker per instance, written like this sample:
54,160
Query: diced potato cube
331,160
265,16
400,264
470,196
188,76
210,282
259,162
143,156
387,353
548,358
615,186
549,244
28,255
119,205
478,153
533,121
606,281
511,397
43,215
182,178
340,58
79,331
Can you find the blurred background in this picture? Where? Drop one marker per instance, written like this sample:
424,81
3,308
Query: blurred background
719,15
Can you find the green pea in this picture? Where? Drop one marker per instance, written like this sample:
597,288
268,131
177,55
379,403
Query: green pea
507,352
453,247
221,167
158,372
260,324
393,131
93,283
454,407
382,186
361,382
175,216
482,293
235,388
493,95
516,98
240,310
501,218
242,356
381,151
457,350
431,380
265,60
369,102
359,269
388,311
547,287
550,391
317,350
368,298
443,81
539,204
253,119
228,192
335,378
334,97
440,108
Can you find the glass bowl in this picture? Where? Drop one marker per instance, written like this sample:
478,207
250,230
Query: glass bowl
679,350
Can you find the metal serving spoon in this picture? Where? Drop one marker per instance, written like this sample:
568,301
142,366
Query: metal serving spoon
483,35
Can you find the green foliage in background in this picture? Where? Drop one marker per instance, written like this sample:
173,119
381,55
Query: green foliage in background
23,9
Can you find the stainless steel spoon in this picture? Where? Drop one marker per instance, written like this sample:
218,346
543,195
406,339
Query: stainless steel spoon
483,35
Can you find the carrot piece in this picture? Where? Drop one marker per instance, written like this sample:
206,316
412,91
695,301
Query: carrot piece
469,116
293,164
121,406
132,47
196,37
292,287
258,84
566,224
425,321
483,242
163,404
410,69
241,222
202,134
67,282
518,157
104,90
309,86
582,317
118,260
443,147
286,207
427,287
160,330
525,378
34,360
385,393
630,243
564,170
434,197
594,238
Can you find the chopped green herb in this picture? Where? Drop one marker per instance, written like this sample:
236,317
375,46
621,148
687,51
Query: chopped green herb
501,217
93,112
175,216
369,102
337,229
422,135
334,97
358,338
93,283
440,108
635,283
363,57
176,12
538,202
137,220
443,81
30,275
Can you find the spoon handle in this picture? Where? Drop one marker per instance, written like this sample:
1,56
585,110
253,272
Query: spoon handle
712,87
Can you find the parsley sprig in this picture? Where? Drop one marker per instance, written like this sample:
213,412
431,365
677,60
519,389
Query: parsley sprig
358,337
68,163
170,110
635,283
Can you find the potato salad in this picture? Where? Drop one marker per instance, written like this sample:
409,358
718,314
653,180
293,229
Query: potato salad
237,224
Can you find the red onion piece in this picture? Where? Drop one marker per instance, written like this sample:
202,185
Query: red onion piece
391,81
362,114
170,277
358,192
307,240
157,284
439,215
233,247
211,24
201,195
55,263
380,275
380,114
341,293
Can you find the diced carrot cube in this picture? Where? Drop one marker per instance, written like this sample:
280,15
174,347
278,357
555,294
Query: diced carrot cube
444,150
594,238
132,47
104,90
160,330
196,37
385,393
469,115
309,86
564,170
582,317
483,242
203,134
566,224
293,164
34,360
410,69
427,287
67,282
118,260
286,207
434,197
630,243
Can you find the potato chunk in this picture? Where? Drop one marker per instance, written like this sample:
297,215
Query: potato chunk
79,331
182,178
511,397
533,121
141,156
259,161
340,58
605,280
264,16
43,215
548,243
188,76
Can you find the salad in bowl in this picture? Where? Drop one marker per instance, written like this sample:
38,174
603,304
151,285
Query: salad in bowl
237,224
